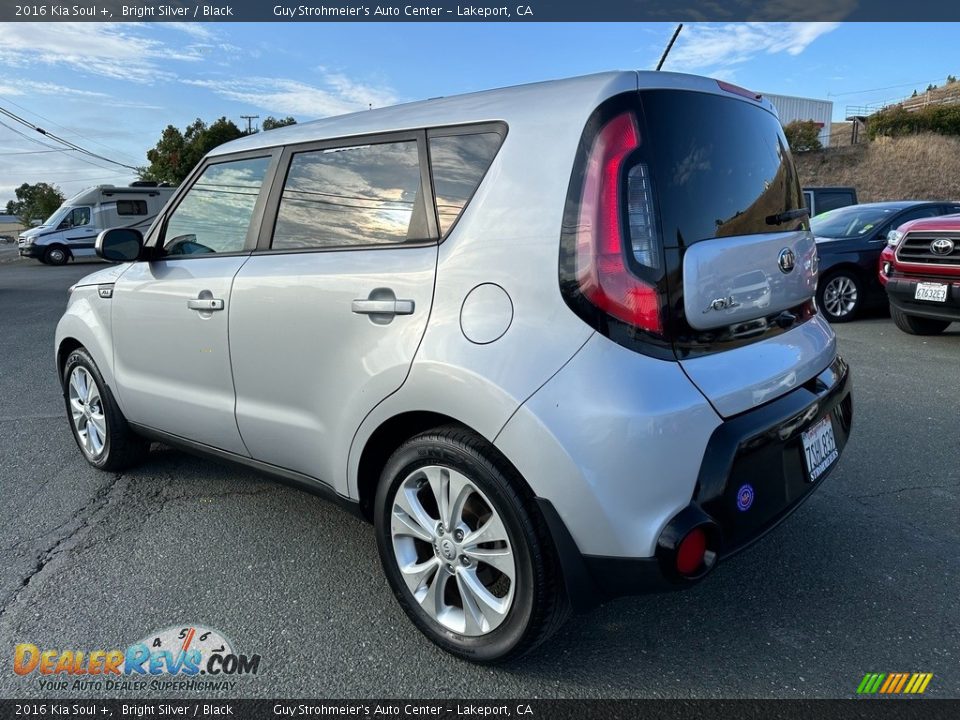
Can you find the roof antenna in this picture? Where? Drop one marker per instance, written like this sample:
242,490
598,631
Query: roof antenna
669,45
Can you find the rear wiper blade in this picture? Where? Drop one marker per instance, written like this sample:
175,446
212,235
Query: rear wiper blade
786,215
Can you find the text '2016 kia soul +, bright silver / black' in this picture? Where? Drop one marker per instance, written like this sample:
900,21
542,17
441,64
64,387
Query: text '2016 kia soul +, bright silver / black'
556,341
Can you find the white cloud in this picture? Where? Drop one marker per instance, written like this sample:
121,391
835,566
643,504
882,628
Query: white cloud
704,46
338,94
122,52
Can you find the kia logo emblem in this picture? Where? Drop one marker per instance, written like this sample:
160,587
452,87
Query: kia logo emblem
942,246
787,260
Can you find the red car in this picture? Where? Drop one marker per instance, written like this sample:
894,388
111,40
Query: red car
920,268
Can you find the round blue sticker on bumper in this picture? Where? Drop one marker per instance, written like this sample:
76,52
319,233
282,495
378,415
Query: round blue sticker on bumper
745,498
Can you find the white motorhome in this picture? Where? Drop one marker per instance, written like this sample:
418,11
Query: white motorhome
72,230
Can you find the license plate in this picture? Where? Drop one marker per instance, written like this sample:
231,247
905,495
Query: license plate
933,292
819,448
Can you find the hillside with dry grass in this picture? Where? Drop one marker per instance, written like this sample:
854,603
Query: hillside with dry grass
916,167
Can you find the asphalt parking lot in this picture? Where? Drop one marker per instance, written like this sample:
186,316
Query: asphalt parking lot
865,577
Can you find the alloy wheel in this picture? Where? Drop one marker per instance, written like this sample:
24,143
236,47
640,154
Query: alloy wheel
840,296
86,411
452,549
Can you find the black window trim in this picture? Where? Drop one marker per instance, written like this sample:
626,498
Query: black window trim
158,230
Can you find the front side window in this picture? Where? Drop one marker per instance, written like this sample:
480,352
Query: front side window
360,195
79,217
214,216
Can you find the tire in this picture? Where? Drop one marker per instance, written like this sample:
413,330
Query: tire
98,426
914,325
56,255
840,296
521,612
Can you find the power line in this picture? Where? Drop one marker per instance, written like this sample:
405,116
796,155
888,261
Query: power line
31,152
53,148
56,138
887,87
31,139
54,122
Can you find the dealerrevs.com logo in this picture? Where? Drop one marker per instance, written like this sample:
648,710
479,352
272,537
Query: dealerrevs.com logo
190,657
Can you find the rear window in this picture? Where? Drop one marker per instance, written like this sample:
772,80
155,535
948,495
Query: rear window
131,207
351,196
720,167
459,163
833,199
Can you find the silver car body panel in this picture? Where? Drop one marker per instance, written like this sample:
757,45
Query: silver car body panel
748,376
308,369
173,363
611,437
617,451
734,279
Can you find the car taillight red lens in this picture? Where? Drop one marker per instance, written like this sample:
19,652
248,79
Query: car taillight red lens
691,552
601,265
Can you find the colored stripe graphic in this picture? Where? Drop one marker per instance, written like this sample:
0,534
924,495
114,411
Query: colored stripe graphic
894,683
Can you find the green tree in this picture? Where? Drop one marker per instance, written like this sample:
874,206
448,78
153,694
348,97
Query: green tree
896,121
35,202
177,153
951,79
272,123
803,135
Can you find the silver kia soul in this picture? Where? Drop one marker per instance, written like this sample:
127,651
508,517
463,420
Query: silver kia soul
556,341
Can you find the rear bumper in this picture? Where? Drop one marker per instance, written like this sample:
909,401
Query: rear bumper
762,449
901,291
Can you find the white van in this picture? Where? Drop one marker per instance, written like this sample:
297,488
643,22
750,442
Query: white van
71,231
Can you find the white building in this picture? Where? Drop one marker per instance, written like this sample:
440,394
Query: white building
797,108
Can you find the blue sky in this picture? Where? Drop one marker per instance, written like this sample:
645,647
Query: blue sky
113,88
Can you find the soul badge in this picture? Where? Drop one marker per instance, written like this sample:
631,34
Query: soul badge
745,498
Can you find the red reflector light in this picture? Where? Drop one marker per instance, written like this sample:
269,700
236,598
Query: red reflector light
691,552
602,271
737,90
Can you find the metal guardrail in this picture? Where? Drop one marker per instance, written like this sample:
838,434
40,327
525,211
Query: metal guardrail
907,103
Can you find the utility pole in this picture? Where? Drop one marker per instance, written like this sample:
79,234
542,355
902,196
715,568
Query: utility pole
250,119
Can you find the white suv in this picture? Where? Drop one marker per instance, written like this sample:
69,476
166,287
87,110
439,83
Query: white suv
556,341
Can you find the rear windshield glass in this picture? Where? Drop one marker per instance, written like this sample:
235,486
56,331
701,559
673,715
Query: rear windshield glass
721,167
851,221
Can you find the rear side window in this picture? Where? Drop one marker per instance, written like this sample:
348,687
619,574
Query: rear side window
831,200
458,164
214,216
720,167
131,207
352,196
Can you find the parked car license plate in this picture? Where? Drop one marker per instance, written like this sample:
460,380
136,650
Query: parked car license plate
934,292
819,448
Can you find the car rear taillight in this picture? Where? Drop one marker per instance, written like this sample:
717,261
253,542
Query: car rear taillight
601,268
691,552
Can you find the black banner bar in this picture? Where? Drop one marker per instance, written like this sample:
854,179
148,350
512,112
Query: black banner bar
859,709
476,11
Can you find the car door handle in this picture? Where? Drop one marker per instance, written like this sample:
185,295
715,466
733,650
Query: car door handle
205,304
383,307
